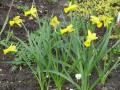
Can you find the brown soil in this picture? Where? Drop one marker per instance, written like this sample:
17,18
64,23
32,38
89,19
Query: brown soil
22,79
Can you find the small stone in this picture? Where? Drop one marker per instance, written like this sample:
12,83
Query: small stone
104,88
19,81
0,70
7,82
71,89
67,88
11,82
2,74
20,68
50,86
42,6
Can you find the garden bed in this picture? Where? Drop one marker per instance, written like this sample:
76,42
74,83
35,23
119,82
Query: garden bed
21,78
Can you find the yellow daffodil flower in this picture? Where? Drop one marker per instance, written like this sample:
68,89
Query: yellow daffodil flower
16,20
101,20
96,20
67,29
87,43
11,48
54,21
71,7
32,12
106,20
91,36
99,24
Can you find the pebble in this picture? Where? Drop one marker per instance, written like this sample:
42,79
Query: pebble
7,81
67,88
11,82
104,88
50,86
2,74
19,81
71,89
0,70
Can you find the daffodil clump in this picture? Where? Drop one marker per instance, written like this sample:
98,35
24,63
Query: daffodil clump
54,23
11,48
17,20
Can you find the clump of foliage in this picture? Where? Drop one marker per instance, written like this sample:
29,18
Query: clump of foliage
99,7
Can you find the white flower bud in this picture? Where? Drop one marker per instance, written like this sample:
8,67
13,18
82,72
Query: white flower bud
78,76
